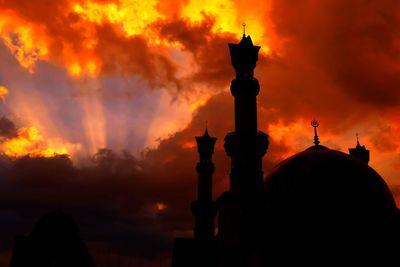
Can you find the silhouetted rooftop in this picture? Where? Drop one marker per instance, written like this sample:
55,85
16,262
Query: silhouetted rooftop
325,178
54,241
56,225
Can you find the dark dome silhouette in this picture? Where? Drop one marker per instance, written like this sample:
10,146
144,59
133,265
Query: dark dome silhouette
56,226
320,197
330,176
54,241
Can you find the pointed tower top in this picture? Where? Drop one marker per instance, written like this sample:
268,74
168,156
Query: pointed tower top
205,145
360,151
206,135
315,124
246,40
244,56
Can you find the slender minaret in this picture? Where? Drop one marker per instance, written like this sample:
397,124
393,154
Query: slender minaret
240,209
360,151
204,208
246,145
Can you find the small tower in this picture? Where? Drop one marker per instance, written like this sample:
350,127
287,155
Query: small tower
360,151
203,208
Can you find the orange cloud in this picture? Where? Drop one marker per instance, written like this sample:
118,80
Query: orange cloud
161,206
30,142
3,93
26,41
71,33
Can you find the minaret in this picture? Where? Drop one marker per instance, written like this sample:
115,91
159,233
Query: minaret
204,208
240,209
246,145
360,152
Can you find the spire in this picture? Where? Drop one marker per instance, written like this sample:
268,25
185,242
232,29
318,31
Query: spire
244,56
315,124
205,146
358,141
360,151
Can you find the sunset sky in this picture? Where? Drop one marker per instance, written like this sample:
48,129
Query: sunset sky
123,86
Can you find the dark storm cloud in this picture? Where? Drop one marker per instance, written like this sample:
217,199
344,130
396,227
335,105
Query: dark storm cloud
208,49
138,58
354,43
114,201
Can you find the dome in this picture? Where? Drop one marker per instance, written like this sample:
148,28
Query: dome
323,177
54,241
324,204
56,227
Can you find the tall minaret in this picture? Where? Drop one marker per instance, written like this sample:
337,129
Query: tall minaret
204,208
246,145
240,209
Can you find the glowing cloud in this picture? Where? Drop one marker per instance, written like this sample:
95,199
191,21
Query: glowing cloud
30,142
3,93
26,42
161,206
132,16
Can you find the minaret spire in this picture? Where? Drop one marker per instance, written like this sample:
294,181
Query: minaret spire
244,29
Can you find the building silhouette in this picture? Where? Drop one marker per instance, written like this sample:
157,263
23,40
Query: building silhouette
54,242
319,207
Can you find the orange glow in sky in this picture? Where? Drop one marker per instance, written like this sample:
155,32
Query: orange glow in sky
26,42
161,206
79,50
3,93
30,142
170,47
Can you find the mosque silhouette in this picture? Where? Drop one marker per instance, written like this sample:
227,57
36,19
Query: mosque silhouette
320,207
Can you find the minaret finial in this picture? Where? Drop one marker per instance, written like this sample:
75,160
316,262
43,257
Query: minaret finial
244,29
315,124
358,141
